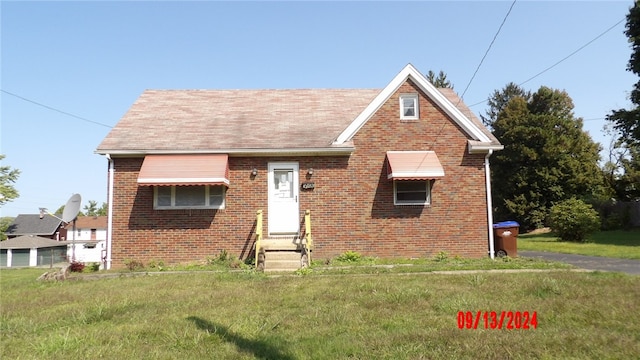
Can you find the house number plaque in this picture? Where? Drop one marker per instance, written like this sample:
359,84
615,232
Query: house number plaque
308,186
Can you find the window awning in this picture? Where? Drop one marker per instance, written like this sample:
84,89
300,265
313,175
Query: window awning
184,169
413,165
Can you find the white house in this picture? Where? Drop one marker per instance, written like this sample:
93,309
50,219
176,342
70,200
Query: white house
87,242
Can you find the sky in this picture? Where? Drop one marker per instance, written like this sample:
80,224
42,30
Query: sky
70,70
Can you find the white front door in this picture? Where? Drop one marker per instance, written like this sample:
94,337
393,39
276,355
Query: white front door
284,213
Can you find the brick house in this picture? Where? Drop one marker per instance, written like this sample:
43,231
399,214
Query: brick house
401,171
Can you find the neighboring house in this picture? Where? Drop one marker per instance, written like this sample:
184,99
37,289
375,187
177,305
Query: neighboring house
401,171
47,226
31,250
89,238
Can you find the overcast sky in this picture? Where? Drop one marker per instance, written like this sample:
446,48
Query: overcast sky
87,62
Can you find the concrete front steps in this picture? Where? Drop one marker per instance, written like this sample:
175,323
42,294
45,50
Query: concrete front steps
282,253
282,260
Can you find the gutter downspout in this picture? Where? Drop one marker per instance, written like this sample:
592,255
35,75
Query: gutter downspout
110,213
487,175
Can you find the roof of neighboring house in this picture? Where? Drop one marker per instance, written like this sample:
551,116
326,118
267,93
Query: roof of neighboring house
174,121
30,242
89,222
32,224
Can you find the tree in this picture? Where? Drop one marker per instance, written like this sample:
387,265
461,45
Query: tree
92,209
5,221
499,100
547,157
439,81
8,177
622,170
628,121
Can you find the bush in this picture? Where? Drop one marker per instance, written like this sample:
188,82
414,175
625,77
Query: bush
92,267
133,265
76,266
349,256
573,220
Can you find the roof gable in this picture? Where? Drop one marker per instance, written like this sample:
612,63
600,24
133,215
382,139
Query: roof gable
472,128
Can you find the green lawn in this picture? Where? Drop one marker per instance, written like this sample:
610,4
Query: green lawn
617,244
248,315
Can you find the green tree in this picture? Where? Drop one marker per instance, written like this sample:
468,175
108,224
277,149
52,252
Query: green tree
439,81
8,177
499,100
573,220
5,221
92,209
627,121
547,157
622,171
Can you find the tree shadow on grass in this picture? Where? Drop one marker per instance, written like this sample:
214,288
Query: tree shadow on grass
259,349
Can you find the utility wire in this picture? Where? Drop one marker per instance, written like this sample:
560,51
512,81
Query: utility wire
562,60
488,49
54,109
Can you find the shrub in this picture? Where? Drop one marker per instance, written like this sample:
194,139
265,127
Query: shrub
134,265
441,256
76,266
349,256
92,267
573,220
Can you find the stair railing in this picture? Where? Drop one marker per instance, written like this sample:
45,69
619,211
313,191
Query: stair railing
259,261
308,244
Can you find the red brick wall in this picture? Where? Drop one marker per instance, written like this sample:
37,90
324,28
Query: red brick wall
351,204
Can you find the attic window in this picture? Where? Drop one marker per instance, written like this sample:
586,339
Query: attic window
409,107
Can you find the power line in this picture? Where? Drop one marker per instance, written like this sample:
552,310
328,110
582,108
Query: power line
563,59
54,109
488,49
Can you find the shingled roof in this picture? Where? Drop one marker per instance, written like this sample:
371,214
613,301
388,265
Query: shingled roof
32,224
261,121
216,120
89,222
30,242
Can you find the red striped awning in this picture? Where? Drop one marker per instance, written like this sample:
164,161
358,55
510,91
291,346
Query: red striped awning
413,165
184,169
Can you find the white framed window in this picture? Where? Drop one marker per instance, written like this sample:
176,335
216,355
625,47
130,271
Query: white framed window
409,109
411,192
188,197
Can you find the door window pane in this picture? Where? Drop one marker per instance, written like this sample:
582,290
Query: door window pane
283,181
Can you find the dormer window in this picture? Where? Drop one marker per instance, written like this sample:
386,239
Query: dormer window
409,107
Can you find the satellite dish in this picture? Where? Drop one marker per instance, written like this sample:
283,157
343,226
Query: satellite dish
72,208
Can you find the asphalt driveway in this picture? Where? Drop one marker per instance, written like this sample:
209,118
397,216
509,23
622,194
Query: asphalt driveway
588,262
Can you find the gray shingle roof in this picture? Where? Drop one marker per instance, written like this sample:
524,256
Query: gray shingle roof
201,120
31,224
30,242
221,120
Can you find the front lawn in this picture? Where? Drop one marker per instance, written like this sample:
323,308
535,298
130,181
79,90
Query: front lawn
248,315
617,244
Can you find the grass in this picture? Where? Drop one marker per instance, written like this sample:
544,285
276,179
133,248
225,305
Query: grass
248,315
617,244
